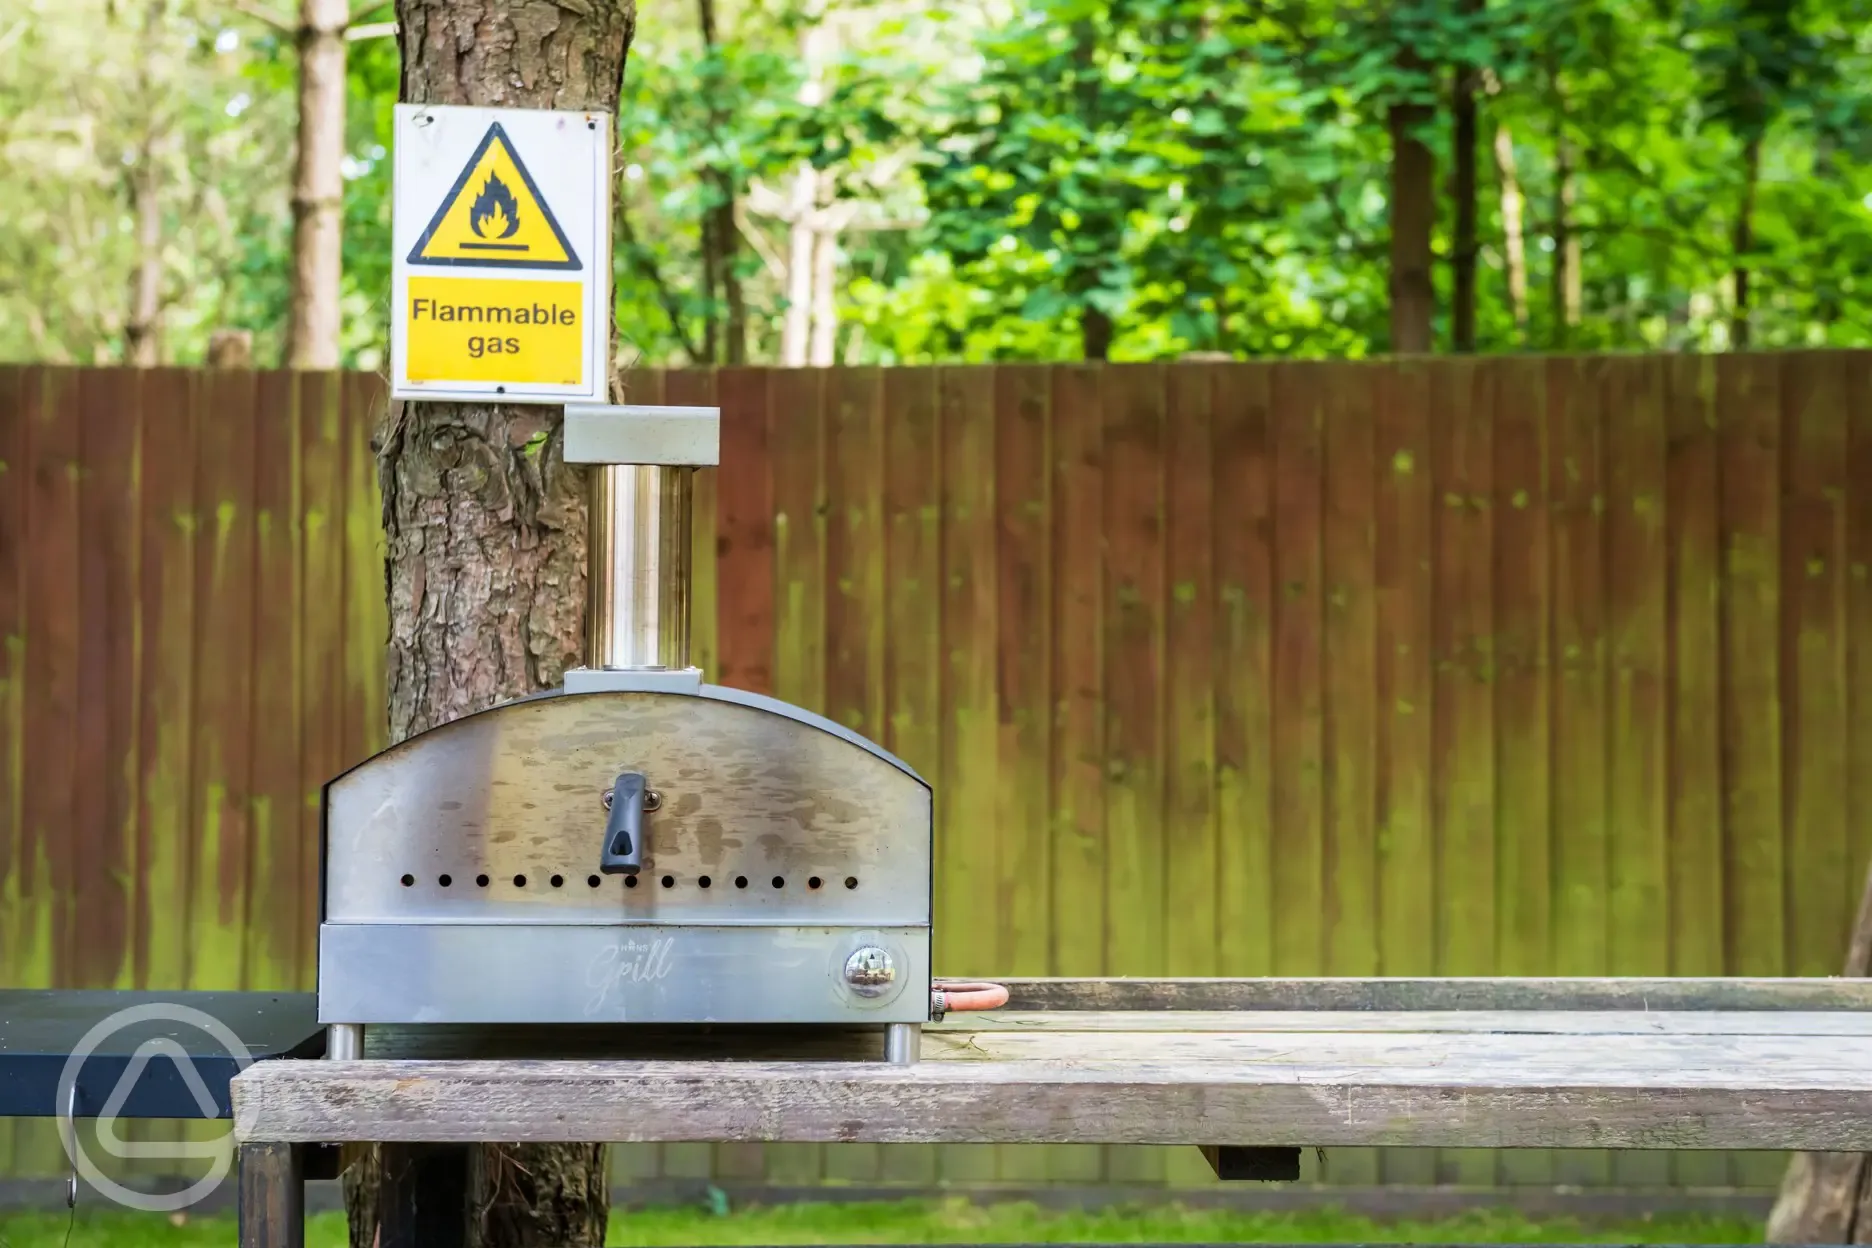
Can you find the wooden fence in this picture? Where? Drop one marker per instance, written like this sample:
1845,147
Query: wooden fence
1522,665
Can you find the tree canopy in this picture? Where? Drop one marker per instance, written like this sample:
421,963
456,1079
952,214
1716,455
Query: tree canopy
1015,179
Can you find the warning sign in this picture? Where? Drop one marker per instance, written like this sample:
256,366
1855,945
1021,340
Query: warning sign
502,260
495,217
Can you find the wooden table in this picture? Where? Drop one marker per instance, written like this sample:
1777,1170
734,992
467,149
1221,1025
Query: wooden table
1648,1064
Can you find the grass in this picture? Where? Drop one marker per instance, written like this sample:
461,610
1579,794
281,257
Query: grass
951,1222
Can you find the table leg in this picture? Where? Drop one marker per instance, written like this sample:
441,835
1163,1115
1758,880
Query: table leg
272,1195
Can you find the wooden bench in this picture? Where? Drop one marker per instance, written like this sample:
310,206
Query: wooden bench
1219,1064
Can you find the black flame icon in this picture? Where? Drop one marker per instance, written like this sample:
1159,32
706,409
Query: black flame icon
495,213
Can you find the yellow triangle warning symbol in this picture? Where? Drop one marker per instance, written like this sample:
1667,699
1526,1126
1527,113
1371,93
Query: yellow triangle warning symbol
494,217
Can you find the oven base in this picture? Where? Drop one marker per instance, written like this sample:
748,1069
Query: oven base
610,973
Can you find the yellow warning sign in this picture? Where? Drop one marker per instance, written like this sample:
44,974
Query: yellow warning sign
494,329
495,217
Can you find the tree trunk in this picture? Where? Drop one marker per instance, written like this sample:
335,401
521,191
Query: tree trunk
142,345
1463,261
796,326
723,235
1566,287
312,335
230,348
1466,246
1826,1198
824,352
1413,217
1514,241
1095,333
1744,242
486,546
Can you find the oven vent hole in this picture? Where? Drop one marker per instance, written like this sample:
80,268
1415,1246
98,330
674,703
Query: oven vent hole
445,880
558,881
519,881
851,881
740,881
408,880
630,881
704,882
481,881
779,881
593,880
669,881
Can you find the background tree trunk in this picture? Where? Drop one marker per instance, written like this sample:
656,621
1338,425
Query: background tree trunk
312,333
1466,245
1826,1198
1744,242
1413,217
486,545
1514,244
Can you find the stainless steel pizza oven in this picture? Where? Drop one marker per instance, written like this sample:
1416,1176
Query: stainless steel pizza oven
638,847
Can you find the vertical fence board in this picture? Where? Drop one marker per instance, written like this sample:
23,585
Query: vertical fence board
965,792
1523,660
1241,484
224,632
1349,639
273,932
1694,712
167,605
16,673
1404,498
1462,731
744,563
1295,693
104,863
912,611
43,899
1134,634
1813,668
321,629
1523,746
367,619
1193,916
1748,399
1859,618
1079,857
1023,660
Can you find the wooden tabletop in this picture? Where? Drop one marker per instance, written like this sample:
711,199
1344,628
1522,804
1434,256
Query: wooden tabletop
1627,1078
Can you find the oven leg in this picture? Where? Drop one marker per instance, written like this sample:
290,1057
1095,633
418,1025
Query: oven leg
902,1043
344,1042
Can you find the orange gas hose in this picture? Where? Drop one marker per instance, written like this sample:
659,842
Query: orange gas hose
947,995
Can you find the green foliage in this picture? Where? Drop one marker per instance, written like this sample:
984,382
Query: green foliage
1207,177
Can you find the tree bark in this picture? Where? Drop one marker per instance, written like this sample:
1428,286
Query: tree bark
1826,1198
1514,240
1463,259
1413,217
486,535
1744,241
313,327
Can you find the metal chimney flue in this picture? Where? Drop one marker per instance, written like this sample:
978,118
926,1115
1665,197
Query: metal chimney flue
643,462
640,574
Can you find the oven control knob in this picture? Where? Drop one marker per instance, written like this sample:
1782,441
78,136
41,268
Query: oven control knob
870,971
